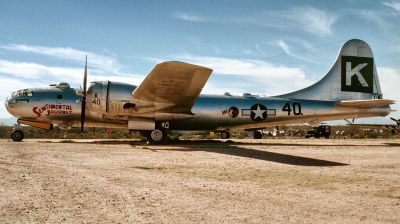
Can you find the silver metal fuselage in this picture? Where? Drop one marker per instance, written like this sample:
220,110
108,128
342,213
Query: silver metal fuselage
211,112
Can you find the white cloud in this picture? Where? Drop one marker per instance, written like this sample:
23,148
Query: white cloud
101,62
285,47
188,16
258,75
394,5
58,52
375,17
99,66
309,19
124,79
389,79
312,20
36,71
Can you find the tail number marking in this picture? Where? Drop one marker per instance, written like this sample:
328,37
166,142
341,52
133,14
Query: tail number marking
357,74
296,108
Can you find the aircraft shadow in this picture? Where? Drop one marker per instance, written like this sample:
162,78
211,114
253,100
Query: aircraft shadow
234,149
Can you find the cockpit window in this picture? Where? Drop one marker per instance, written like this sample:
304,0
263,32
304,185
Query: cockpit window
24,92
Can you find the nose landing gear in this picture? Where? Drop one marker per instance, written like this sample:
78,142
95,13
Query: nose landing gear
17,135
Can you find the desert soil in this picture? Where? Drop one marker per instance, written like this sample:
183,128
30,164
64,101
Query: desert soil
237,181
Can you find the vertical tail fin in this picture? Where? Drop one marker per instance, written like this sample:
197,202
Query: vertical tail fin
353,76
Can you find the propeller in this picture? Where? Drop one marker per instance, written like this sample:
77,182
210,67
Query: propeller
83,110
397,122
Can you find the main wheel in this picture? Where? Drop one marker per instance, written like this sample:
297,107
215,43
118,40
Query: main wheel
157,136
257,135
17,135
225,135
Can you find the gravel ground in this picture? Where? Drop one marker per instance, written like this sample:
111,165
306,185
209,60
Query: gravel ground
236,181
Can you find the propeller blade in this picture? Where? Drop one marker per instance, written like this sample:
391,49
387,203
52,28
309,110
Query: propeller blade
83,110
397,121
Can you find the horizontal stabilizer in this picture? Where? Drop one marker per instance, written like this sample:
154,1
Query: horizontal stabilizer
366,103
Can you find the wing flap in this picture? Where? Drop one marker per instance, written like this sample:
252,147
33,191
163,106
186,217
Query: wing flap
366,103
175,85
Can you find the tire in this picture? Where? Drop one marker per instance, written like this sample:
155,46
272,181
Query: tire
225,135
17,135
157,136
257,135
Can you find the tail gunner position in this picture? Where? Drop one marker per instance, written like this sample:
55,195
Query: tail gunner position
169,100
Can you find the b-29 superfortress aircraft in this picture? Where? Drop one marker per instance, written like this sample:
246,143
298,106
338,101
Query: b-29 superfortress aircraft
169,100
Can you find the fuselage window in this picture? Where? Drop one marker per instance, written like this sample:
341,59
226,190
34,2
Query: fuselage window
22,100
59,96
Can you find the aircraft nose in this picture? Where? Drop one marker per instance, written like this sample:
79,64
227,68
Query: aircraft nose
9,104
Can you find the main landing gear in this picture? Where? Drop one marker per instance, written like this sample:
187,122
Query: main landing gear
257,134
157,136
225,135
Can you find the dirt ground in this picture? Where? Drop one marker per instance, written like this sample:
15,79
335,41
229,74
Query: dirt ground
237,181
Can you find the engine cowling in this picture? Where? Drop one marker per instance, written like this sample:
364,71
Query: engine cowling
113,101
110,100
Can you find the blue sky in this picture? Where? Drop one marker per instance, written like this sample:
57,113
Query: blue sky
261,47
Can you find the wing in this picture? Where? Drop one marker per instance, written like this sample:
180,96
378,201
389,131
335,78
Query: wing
384,126
172,86
366,103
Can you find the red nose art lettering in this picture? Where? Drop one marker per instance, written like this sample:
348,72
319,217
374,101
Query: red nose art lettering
35,110
53,109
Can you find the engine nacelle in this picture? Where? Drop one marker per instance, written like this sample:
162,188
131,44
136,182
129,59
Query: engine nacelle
109,100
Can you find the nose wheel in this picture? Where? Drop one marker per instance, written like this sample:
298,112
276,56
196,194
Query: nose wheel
17,135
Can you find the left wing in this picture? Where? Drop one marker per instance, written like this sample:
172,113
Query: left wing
384,126
174,85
